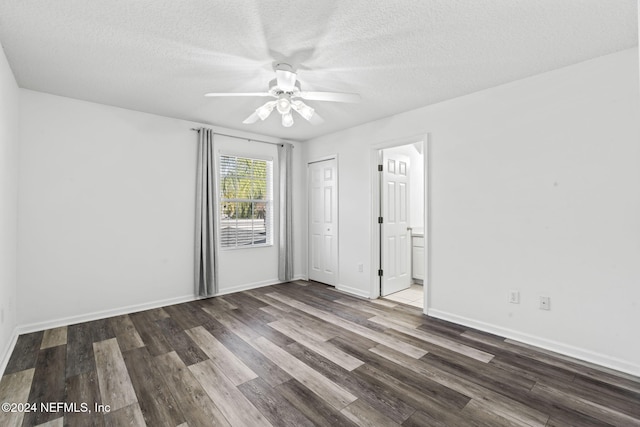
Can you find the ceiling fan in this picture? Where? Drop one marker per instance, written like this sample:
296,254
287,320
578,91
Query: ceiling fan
286,90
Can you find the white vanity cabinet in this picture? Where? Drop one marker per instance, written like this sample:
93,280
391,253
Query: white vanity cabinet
417,249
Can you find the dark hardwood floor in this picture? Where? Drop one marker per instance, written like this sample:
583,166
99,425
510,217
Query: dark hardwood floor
300,354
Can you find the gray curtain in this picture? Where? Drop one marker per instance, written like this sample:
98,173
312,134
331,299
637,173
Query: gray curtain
285,243
206,206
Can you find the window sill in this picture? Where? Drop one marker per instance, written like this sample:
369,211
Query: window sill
235,248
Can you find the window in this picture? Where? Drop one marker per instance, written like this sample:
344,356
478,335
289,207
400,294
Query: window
246,218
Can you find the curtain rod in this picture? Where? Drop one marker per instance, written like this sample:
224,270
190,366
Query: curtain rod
239,137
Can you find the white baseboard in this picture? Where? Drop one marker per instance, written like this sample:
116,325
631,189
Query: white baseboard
6,354
355,291
87,317
300,277
555,346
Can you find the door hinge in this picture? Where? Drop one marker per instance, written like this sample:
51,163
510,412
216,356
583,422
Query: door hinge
379,168
380,220
380,273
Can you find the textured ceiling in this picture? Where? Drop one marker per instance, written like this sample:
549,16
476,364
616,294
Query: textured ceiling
161,56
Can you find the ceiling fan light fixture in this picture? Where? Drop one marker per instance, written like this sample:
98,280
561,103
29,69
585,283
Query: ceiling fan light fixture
287,120
303,109
264,111
283,105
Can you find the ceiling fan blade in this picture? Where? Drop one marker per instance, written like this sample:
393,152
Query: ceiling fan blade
330,96
251,119
213,94
286,80
316,119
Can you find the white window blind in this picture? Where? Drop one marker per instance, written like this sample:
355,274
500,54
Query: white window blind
246,211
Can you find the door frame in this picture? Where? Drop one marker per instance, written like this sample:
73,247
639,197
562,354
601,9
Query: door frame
375,210
308,251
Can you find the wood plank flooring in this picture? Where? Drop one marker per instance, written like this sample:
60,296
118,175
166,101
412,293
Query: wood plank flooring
301,354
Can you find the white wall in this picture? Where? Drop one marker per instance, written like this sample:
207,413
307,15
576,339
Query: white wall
107,211
535,186
299,211
9,107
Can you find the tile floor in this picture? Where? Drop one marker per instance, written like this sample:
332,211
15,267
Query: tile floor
413,296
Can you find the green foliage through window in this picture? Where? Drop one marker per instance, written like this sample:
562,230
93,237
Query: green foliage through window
245,201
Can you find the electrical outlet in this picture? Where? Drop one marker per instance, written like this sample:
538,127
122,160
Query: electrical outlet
514,297
360,267
545,303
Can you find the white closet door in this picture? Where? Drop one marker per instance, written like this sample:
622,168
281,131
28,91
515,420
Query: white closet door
323,221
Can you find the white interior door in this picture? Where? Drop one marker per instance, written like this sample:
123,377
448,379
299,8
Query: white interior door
323,221
396,238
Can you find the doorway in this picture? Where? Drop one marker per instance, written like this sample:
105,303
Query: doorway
323,221
400,197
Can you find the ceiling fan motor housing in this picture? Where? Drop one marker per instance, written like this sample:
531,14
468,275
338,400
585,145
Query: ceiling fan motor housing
283,66
275,90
